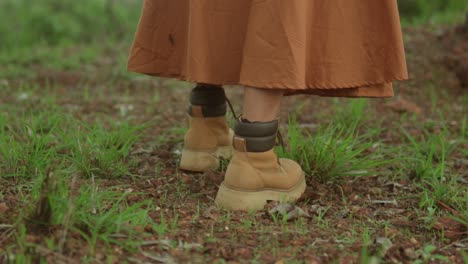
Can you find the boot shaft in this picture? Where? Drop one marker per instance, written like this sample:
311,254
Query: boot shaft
208,128
255,136
207,101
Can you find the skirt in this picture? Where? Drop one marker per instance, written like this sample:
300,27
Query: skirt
342,48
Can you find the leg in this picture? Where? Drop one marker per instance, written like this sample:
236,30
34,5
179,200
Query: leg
261,105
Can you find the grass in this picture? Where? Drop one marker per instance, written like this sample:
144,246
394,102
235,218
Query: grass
80,32
50,155
101,217
26,151
70,23
101,151
417,12
346,148
427,163
335,151
41,142
107,218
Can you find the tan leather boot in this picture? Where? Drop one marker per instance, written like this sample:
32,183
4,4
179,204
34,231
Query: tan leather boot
209,137
255,175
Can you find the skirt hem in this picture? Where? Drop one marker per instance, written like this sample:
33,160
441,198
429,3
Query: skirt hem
329,90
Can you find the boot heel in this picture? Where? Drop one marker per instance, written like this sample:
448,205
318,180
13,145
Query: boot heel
198,161
239,200
232,199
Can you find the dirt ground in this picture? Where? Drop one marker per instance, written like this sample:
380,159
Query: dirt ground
340,212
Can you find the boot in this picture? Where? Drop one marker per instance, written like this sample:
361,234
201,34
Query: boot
209,137
255,175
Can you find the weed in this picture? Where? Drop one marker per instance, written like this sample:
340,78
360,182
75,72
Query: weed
426,163
333,152
223,164
162,227
351,115
29,150
196,216
103,153
41,142
427,254
105,216
212,237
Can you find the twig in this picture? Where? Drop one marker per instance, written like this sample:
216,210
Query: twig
394,202
454,243
455,212
317,240
5,235
162,259
163,242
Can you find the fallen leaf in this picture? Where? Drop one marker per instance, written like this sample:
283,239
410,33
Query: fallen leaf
384,244
211,213
160,258
297,213
291,212
282,208
342,213
318,209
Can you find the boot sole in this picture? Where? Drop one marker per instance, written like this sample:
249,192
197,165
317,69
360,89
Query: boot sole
233,199
201,161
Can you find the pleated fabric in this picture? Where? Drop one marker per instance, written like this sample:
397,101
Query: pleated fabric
343,48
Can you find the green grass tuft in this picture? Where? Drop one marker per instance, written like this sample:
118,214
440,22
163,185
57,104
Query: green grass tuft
101,152
416,12
42,142
332,152
426,162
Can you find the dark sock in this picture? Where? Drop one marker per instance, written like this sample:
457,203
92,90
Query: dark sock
207,88
211,98
208,95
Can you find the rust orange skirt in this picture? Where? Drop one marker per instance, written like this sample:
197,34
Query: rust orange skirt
349,48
